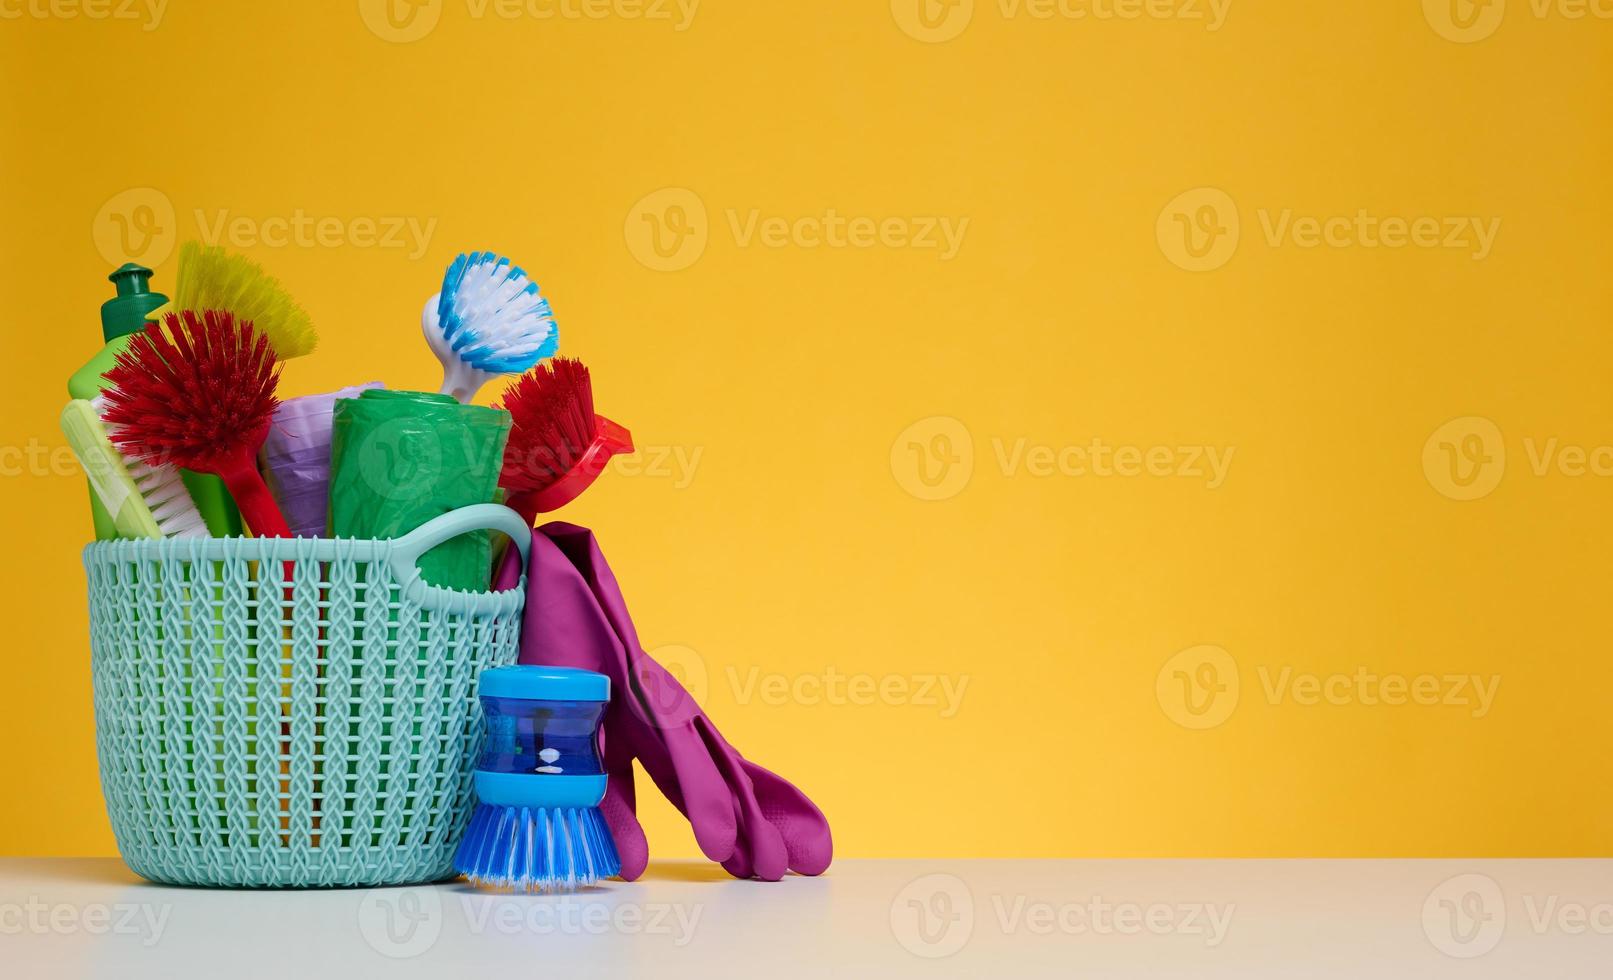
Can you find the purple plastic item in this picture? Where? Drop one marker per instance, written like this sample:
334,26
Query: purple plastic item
751,821
296,459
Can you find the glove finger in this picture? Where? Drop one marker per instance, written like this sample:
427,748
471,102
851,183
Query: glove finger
684,768
799,821
621,816
761,848
690,779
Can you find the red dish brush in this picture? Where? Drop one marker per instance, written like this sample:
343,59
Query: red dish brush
198,391
557,446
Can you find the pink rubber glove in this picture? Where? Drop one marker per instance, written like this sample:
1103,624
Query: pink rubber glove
751,821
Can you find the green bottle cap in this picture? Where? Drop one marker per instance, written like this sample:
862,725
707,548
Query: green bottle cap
126,312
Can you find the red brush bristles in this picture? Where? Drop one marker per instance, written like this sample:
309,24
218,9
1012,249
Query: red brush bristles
193,390
553,410
198,392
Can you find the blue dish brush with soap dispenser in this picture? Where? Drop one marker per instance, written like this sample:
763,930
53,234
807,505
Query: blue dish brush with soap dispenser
539,782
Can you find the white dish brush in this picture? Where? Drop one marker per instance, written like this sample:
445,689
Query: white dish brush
489,319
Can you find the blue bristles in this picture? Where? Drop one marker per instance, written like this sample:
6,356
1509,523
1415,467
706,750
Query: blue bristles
493,316
530,849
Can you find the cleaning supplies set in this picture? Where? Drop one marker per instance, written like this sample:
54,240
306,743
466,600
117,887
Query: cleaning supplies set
311,664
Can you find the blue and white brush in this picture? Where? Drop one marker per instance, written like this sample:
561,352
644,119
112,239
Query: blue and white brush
490,319
539,782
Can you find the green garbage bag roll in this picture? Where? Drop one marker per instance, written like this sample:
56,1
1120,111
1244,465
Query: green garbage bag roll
401,458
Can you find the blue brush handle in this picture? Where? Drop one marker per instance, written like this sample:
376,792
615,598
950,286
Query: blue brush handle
407,550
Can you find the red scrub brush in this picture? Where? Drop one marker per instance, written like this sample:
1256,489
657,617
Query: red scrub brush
198,391
557,446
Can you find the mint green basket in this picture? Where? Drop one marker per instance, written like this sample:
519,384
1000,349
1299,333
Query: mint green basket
292,712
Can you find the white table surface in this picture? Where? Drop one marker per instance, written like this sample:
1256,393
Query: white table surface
1549,919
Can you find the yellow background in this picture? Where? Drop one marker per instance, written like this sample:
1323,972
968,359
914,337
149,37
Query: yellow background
797,547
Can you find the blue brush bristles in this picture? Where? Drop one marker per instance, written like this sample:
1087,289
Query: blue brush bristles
493,316
533,849
539,783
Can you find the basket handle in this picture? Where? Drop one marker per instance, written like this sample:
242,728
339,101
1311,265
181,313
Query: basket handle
407,550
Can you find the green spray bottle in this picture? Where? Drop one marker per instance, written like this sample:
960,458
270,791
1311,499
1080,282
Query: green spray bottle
122,316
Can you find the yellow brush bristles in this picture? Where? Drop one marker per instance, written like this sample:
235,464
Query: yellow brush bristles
212,279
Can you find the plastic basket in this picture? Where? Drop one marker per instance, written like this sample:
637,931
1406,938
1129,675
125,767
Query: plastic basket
292,712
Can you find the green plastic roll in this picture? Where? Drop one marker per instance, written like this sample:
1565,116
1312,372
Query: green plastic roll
401,458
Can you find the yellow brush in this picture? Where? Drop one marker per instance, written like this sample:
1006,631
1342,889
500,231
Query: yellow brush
212,279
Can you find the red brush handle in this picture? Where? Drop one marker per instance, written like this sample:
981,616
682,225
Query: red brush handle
252,496
609,440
